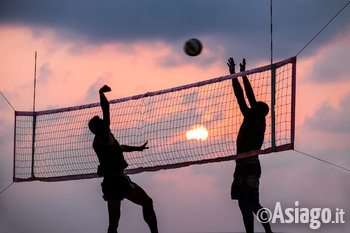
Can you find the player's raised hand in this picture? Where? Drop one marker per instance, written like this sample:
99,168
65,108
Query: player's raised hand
231,65
242,65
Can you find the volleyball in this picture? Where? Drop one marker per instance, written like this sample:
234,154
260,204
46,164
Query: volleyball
193,47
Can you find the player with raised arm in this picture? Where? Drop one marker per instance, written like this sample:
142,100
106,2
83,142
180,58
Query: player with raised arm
245,186
116,185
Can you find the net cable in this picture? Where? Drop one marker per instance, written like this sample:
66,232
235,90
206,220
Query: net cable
322,160
324,26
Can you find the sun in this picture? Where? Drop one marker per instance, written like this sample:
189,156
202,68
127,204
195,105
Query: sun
197,132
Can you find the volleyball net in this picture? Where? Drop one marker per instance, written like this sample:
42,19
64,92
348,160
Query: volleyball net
191,124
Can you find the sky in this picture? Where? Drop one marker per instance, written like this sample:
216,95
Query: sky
136,47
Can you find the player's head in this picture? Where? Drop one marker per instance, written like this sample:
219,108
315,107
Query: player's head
96,125
262,108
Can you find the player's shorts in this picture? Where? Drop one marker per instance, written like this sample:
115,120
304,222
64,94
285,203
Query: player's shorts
116,187
246,181
245,188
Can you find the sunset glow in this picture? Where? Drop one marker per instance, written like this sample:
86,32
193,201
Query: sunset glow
137,49
197,132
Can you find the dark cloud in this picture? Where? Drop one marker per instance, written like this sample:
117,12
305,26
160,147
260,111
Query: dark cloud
334,67
297,22
125,20
330,119
241,27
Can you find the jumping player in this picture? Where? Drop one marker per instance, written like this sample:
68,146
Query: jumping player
116,185
245,186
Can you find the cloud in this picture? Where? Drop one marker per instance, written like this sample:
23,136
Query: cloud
330,119
45,73
125,20
239,27
92,92
5,131
332,63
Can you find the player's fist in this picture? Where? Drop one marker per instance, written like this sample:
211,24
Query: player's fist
105,88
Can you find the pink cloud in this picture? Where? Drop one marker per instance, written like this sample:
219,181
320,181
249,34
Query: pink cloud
128,69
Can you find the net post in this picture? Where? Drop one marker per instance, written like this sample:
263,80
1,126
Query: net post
33,145
34,120
292,122
273,100
14,148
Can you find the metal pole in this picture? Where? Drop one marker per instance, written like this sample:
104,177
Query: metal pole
273,89
34,121
34,82
271,31
273,97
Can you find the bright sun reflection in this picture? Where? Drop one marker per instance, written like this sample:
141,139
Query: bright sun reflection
197,132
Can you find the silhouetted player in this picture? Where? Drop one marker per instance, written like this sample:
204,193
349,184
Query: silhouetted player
245,186
116,185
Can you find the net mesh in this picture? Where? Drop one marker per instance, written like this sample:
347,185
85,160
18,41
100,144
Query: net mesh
192,124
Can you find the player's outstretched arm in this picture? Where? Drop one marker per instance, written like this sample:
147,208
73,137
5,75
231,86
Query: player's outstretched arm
105,104
247,87
237,88
126,148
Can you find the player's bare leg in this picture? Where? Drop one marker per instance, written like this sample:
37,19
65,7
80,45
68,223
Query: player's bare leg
140,197
114,215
